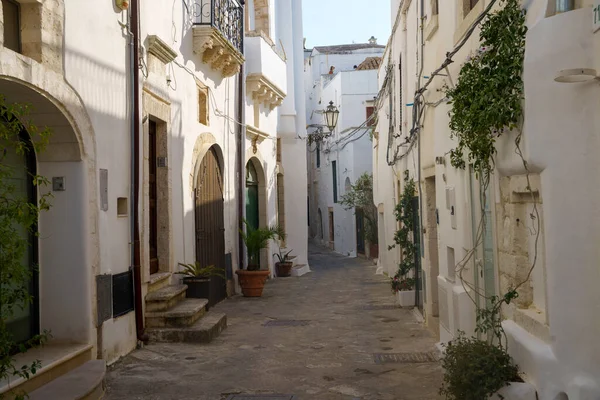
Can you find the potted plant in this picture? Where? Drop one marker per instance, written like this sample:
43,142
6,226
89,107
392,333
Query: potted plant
284,265
404,288
252,279
197,279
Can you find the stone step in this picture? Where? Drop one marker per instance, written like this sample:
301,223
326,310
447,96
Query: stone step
203,331
158,281
165,298
183,314
83,383
300,269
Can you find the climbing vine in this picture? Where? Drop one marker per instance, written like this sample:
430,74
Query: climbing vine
405,215
18,219
487,102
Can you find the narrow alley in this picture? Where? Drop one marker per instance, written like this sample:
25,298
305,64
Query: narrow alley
334,333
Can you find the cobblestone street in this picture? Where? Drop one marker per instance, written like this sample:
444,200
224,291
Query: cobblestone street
331,334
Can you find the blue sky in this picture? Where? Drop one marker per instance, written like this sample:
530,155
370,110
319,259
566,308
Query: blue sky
328,22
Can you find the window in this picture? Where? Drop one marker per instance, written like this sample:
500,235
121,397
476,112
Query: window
334,173
318,155
12,28
468,5
278,149
370,111
202,104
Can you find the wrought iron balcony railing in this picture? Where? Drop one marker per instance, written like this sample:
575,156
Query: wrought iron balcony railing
224,15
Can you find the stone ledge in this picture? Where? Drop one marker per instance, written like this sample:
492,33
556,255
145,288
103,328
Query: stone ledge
264,91
217,51
160,49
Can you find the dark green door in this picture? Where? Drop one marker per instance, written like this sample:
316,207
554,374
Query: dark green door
419,275
23,321
360,231
251,196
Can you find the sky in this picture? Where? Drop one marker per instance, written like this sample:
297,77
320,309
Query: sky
328,22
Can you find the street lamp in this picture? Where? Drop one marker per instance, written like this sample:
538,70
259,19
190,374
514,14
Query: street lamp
331,116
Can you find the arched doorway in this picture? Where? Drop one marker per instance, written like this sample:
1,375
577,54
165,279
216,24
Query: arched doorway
210,227
67,237
256,202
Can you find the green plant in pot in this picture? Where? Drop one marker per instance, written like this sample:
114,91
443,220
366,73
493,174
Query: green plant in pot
198,277
284,264
252,279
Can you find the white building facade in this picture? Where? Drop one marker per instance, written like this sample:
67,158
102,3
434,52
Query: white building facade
552,326
336,162
215,101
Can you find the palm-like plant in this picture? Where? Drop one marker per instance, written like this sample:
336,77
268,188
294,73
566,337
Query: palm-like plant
258,239
196,270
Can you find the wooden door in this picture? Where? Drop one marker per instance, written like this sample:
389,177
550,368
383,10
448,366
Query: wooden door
210,226
360,231
152,210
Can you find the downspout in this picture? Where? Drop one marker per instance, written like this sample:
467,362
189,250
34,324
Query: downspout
135,170
420,105
241,156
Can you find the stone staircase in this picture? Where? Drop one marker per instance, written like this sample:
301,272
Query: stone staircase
297,269
171,317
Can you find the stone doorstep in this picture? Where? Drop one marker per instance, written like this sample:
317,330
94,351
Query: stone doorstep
203,331
84,382
300,270
56,358
183,314
165,298
158,281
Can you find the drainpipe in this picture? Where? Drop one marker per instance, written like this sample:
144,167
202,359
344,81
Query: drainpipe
564,6
135,170
240,150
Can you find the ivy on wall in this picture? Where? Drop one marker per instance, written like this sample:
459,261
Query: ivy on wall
405,215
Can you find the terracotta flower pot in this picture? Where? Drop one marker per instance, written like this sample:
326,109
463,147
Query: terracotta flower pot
252,282
284,268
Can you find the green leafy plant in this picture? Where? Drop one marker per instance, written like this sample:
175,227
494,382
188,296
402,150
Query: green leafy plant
196,270
403,237
487,102
487,99
283,257
360,196
475,369
258,239
402,284
18,224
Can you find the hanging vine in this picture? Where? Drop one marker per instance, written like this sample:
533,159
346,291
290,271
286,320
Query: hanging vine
405,215
487,102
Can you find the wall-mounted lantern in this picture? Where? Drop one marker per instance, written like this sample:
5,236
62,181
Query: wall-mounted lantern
331,116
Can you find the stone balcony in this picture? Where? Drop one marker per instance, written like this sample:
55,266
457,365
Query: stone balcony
218,35
266,79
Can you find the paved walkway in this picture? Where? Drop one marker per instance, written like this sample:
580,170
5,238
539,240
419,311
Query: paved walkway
340,318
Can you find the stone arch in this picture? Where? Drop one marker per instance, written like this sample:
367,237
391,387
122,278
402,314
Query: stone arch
203,144
347,185
68,239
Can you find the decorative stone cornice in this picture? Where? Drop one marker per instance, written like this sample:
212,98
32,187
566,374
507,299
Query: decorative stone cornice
217,51
264,91
256,136
160,49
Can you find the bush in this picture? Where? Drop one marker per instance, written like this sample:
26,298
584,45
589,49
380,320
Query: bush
475,369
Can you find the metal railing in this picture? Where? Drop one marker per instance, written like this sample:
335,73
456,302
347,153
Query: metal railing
227,16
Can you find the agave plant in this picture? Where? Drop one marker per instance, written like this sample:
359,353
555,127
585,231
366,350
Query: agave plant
258,239
196,270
